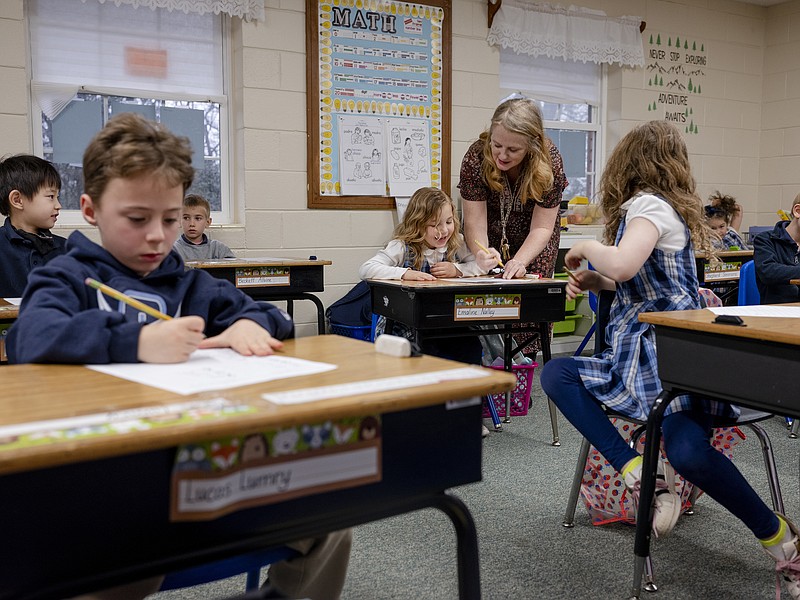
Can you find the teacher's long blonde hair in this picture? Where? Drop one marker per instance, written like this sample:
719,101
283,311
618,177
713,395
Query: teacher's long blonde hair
521,116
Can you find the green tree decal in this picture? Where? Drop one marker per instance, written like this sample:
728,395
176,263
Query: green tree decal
669,41
658,40
685,45
678,42
651,39
702,47
650,82
689,85
661,81
698,89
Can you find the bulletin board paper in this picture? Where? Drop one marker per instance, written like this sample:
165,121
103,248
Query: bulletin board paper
388,60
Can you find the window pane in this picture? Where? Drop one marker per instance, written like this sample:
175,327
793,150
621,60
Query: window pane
65,138
577,150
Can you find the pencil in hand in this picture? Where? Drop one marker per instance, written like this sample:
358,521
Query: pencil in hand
485,249
570,273
132,302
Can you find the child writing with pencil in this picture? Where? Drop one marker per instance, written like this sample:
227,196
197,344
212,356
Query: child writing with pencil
427,245
129,299
654,221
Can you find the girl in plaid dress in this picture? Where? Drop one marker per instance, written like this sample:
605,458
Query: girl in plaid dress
655,220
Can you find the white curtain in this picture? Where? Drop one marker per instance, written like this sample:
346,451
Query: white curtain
572,34
244,9
551,79
92,45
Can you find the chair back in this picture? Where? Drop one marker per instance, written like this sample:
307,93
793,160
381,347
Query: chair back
748,290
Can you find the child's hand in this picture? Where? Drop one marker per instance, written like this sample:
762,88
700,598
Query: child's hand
580,281
487,260
445,269
247,337
412,275
170,341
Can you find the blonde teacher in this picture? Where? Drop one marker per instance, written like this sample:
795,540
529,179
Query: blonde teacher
511,182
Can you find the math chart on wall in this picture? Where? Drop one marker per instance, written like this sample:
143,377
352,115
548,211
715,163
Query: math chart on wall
379,95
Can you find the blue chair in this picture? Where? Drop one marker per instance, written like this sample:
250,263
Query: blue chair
250,563
592,329
748,290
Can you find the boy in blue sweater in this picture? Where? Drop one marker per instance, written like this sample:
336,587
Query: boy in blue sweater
777,259
135,176
29,188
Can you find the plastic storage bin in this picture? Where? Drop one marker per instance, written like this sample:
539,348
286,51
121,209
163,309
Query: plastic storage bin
567,325
361,332
520,395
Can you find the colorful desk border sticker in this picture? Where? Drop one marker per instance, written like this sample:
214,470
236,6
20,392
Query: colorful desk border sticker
262,276
487,307
721,271
69,430
218,477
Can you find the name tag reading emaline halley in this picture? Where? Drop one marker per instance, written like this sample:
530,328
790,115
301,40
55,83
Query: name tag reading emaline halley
483,307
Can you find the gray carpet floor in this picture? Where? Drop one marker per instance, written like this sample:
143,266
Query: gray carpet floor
525,551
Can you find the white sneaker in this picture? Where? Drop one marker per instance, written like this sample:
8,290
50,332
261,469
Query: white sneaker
667,501
485,431
787,562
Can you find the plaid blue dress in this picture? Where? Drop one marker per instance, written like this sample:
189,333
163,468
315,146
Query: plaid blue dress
400,329
625,376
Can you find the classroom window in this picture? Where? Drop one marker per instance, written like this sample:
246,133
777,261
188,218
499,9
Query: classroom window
569,96
89,63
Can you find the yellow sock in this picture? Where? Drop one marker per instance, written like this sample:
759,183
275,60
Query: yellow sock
778,537
631,465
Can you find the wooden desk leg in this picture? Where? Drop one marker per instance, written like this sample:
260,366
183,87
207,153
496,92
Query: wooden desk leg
644,517
544,336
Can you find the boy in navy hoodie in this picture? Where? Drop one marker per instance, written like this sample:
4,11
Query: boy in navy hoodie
29,188
135,176
777,259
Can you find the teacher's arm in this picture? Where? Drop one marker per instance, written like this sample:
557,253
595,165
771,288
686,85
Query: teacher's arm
475,229
542,223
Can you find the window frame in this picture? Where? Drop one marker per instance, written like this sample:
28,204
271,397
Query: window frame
227,213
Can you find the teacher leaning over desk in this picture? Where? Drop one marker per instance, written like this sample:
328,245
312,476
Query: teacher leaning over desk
511,182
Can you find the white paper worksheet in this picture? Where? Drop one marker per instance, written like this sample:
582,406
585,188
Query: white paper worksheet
214,369
768,310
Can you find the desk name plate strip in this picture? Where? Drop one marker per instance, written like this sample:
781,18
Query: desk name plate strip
214,478
485,307
262,276
721,271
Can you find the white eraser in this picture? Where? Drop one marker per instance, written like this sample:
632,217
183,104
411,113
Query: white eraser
393,345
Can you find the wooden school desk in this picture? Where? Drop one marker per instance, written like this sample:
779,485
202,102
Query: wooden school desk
8,314
271,279
722,275
436,308
86,514
748,366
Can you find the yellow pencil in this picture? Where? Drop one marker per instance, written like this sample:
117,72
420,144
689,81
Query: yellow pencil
109,291
570,273
485,249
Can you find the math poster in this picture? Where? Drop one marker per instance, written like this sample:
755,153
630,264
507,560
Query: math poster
380,62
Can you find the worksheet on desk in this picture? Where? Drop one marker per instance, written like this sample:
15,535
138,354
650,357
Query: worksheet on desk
767,310
214,369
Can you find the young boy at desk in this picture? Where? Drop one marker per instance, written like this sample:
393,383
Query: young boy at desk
135,176
29,188
194,244
777,259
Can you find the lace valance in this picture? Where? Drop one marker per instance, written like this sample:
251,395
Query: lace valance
573,33
248,10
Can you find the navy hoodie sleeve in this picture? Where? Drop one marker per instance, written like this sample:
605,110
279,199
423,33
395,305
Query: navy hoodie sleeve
773,266
227,304
56,324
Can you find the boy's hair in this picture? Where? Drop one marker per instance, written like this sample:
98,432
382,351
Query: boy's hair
130,146
193,200
523,117
27,174
653,158
424,206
